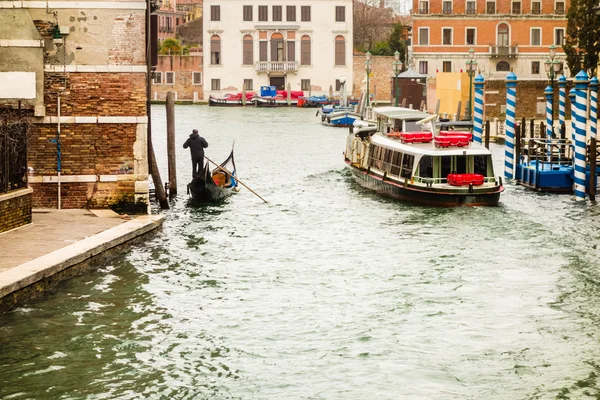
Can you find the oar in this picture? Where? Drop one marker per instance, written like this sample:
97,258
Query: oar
231,176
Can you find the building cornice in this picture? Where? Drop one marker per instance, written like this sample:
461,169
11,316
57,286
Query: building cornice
277,27
83,5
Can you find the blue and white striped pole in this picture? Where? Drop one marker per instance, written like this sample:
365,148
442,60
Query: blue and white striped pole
572,100
593,107
509,148
581,83
478,116
549,93
562,89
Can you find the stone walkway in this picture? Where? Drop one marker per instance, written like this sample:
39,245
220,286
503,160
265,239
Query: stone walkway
51,230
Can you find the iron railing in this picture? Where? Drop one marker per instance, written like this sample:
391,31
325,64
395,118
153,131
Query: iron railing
13,153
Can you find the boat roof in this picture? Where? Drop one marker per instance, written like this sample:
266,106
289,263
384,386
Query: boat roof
473,149
401,113
457,124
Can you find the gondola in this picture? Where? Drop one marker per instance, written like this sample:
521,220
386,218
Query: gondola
214,185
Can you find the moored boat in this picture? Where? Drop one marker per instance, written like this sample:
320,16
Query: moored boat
340,118
213,185
279,99
400,155
231,100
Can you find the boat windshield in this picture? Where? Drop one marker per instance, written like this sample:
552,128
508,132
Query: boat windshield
411,126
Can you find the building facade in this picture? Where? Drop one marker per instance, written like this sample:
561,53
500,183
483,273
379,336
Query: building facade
505,34
180,74
306,44
83,66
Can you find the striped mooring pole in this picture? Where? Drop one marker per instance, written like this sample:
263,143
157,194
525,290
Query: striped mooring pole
593,107
478,116
549,93
572,100
562,89
509,148
581,84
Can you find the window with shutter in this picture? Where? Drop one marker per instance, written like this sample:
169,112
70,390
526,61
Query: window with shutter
340,50
215,50
248,54
305,50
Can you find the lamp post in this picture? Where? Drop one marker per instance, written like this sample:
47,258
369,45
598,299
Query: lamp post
471,67
397,68
368,68
552,67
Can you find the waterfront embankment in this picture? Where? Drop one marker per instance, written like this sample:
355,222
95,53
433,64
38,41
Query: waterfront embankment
59,244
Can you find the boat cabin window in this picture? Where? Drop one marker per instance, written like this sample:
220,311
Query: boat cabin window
398,125
446,166
407,165
460,166
397,157
426,167
480,165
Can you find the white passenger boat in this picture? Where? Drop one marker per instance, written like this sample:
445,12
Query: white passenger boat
399,154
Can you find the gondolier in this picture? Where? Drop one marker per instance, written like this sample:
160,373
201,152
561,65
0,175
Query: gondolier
197,144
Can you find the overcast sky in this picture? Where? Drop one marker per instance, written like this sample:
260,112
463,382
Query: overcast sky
401,6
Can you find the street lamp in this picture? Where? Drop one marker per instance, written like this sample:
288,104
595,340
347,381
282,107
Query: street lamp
397,68
552,67
368,68
471,66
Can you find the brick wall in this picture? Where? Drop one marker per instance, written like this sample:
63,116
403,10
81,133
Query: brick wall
96,94
529,93
15,209
84,194
381,81
86,149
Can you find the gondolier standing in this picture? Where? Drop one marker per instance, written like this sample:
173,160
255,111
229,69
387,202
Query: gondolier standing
197,144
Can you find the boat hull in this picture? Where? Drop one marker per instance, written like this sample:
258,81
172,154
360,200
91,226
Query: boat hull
434,197
216,102
203,191
265,102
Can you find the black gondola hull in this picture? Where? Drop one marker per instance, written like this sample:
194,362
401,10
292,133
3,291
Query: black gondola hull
204,189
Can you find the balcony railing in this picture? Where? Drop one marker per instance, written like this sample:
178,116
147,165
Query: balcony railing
447,10
504,51
424,10
276,66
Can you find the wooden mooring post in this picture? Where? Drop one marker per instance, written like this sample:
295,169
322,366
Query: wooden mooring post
518,128
487,134
171,145
592,158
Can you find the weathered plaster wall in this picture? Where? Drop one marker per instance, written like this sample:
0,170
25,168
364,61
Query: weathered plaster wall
19,52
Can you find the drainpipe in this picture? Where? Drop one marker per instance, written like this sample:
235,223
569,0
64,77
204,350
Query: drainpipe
58,155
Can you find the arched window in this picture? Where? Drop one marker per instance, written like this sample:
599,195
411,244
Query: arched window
305,50
503,34
215,50
340,50
248,50
277,52
502,66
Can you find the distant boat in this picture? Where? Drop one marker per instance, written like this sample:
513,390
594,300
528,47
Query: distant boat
279,99
216,184
401,155
341,118
231,100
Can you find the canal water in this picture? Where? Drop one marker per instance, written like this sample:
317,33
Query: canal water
327,292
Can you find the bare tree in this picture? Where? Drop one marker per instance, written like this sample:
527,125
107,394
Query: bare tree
372,23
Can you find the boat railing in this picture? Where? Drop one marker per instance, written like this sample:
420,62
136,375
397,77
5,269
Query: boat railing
432,181
555,152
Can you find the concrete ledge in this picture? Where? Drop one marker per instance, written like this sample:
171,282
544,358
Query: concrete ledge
31,278
15,193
